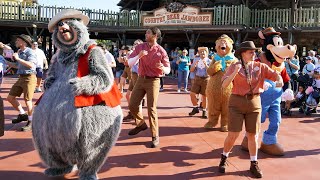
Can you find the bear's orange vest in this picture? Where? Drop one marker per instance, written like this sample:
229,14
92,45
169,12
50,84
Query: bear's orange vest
111,98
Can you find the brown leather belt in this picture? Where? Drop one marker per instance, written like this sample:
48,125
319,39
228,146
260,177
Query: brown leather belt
26,75
251,96
148,77
201,77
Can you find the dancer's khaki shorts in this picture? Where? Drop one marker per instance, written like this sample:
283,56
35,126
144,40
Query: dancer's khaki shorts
134,77
26,84
199,85
245,109
126,73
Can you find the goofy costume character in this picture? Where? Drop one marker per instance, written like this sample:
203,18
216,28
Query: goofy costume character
274,54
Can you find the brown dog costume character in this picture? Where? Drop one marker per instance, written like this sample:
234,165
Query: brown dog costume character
218,98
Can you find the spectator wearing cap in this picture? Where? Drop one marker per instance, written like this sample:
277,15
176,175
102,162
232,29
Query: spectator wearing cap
309,67
25,61
312,55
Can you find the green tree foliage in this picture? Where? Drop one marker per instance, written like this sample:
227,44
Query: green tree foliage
106,43
22,1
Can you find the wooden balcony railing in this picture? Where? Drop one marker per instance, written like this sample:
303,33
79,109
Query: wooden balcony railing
271,17
307,17
40,13
229,15
222,15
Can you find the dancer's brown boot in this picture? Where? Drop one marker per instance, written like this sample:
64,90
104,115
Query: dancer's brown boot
20,118
223,164
255,170
137,129
155,142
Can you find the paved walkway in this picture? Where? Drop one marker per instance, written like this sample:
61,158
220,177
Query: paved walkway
187,150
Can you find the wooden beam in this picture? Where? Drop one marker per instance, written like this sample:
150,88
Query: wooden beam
265,2
127,4
40,32
140,6
28,32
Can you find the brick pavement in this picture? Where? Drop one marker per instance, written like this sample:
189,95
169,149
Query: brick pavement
187,150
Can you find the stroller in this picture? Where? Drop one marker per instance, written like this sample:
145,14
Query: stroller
310,105
312,99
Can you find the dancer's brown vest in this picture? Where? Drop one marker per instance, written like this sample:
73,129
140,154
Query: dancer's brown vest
111,98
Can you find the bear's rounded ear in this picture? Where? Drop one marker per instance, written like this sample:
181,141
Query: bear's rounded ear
260,34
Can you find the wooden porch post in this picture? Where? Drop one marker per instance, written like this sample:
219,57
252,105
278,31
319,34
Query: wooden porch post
124,39
191,40
44,44
290,37
238,41
292,23
34,33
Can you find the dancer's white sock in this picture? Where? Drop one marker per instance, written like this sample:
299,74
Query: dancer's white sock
253,158
226,153
21,111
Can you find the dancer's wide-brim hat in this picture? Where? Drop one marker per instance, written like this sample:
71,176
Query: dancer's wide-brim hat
244,46
203,49
26,39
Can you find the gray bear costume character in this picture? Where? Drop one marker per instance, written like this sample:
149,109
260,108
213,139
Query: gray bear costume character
77,120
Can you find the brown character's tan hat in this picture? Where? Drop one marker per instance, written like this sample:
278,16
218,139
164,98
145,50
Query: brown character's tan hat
225,37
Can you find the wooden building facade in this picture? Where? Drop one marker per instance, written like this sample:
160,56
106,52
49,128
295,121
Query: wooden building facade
297,20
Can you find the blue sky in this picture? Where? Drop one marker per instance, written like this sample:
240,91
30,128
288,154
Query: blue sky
90,4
